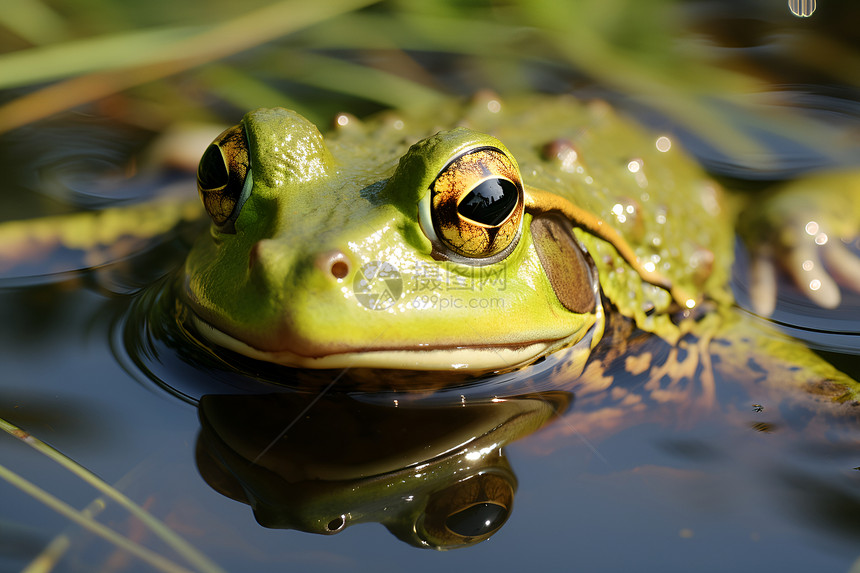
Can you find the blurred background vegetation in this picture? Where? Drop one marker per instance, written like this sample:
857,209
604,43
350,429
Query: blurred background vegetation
736,79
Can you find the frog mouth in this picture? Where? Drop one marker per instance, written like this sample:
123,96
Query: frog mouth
471,359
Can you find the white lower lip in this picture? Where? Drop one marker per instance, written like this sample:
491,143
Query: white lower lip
461,359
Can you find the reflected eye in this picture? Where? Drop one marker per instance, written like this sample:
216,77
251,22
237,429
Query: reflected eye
477,520
223,178
467,511
476,203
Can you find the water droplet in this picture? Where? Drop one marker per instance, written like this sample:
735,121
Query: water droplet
494,106
634,166
814,284
664,144
811,228
821,239
802,8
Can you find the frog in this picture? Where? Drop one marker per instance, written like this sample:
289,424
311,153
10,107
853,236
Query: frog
482,238
485,238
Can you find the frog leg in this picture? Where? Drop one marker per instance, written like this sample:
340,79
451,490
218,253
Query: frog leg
750,350
59,244
802,227
538,201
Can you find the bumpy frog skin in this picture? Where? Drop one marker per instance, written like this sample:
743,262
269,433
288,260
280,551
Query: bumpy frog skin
309,233
366,248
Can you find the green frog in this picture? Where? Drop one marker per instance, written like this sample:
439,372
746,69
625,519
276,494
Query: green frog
480,239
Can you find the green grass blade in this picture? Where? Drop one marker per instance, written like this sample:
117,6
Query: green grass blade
219,41
53,552
97,528
182,547
355,79
75,57
33,21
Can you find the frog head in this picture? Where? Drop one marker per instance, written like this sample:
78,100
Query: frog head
363,251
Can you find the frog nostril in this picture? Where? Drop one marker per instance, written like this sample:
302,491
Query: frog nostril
334,263
339,269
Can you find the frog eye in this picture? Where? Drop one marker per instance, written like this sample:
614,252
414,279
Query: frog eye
224,178
476,203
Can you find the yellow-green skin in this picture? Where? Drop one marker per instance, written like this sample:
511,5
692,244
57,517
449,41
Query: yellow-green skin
269,291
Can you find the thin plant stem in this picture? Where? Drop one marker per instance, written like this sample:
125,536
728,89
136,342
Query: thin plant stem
239,34
170,537
50,556
61,507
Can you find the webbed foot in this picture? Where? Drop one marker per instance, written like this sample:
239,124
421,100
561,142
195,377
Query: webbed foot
802,228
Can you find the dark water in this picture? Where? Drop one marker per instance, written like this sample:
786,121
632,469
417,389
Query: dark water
753,481
670,488
106,374
750,482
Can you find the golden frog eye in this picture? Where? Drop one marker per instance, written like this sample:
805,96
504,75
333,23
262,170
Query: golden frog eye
223,177
477,203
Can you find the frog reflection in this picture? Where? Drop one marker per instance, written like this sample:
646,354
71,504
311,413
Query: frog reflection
435,476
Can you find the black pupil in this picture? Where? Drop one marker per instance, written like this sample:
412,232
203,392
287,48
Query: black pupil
212,173
490,202
478,519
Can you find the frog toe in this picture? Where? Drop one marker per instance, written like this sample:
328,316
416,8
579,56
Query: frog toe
796,227
843,264
805,267
762,274
820,272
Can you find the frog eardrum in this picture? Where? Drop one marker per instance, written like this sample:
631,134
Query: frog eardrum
224,177
477,203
